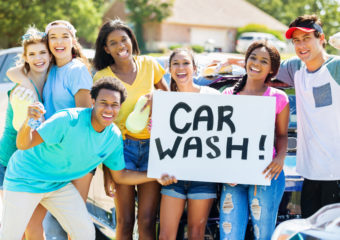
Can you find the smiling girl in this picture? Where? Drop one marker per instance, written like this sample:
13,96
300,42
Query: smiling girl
117,55
68,85
198,195
262,62
36,61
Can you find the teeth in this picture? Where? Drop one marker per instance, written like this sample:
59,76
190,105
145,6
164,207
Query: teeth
39,64
123,53
107,116
181,73
255,69
59,48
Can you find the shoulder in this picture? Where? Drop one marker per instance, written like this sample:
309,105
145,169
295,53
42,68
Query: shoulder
77,65
333,66
146,60
102,73
281,98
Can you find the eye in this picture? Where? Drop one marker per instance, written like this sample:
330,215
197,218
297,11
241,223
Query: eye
31,54
252,57
175,63
264,62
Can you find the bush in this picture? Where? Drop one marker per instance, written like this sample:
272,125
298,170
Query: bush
197,48
173,47
259,28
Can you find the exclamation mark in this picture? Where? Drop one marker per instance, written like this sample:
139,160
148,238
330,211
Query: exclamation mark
261,146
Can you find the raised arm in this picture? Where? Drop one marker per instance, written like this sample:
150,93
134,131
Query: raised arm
27,137
17,75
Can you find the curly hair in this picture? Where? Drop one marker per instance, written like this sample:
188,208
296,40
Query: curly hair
109,83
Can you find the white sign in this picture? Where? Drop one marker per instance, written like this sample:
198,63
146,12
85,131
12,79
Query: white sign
211,138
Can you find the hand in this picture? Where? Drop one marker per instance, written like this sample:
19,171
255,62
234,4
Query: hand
148,103
109,185
149,125
274,168
166,180
35,110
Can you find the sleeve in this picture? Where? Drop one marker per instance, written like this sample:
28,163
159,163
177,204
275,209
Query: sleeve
53,130
80,78
158,70
115,161
281,101
97,76
288,69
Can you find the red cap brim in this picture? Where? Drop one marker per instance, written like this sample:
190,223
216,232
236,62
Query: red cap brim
290,31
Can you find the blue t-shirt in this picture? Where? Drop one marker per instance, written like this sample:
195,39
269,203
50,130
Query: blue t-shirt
71,149
62,84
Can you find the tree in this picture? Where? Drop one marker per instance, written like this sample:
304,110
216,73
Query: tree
287,10
15,16
142,11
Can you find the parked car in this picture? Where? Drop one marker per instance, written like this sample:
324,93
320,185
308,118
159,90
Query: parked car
247,38
102,208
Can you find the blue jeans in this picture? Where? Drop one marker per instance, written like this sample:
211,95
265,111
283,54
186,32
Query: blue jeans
136,154
238,201
190,190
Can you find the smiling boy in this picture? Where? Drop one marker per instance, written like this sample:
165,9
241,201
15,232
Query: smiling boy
65,147
316,78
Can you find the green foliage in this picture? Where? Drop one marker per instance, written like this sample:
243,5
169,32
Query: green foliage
15,16
287,10
259,28
197,48
173,47
142,11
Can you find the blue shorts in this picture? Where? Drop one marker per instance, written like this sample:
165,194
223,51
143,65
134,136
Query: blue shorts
136,154
190,190
2,176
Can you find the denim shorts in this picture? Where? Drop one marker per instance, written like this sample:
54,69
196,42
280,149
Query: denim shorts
190,190
2,176
136,154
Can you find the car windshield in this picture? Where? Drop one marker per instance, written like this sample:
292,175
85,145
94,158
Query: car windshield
6,61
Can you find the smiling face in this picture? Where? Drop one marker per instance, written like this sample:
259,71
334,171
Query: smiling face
307,47
182,68
119,45
38,57
258,64
60,42
105,109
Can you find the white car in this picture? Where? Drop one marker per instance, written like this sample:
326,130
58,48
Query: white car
245,39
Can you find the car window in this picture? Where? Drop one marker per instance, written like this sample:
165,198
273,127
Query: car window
292,116
247,38
6,61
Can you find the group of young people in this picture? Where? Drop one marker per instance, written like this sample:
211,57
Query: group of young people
55,162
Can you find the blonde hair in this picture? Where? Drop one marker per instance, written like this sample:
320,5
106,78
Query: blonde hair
32,36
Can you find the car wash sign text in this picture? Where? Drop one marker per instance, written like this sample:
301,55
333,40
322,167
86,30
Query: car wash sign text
212,138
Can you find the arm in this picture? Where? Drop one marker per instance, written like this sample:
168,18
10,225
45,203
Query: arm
109,184
17,75
129,177
28,138
161,85
281,140
83,98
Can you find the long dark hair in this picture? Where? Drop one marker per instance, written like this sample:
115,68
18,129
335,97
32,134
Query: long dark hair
101,58
274,56
173,84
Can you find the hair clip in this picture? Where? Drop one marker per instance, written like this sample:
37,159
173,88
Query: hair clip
28,36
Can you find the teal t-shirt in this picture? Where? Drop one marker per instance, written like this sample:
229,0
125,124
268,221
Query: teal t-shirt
8,140
71,149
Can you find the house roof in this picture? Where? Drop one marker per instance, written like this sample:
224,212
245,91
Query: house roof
221,13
